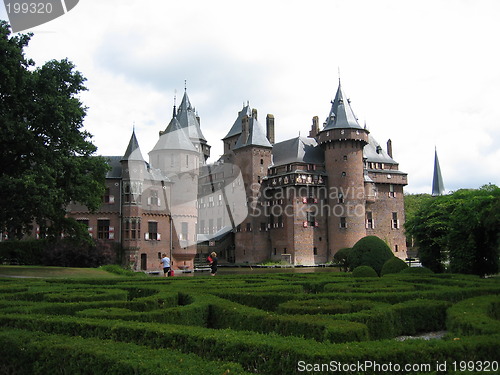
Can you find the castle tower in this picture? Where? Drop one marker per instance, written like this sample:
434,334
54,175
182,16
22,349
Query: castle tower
133,175
179,160
252,154
343,140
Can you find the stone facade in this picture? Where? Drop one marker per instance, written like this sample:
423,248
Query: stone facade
298,201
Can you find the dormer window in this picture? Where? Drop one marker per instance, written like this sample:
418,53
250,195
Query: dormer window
379,149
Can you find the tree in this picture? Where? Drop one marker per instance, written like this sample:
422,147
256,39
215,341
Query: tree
340,258
369,251
459,231
47,160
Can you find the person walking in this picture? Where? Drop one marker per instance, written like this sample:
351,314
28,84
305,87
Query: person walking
213,263
165,263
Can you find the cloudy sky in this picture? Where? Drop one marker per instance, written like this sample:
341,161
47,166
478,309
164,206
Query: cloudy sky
424,73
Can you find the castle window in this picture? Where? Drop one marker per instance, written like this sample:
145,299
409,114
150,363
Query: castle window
311,219
108,198
261,161
343,222
153,200
369,220
396,248
395,221
187,161
184,231
392,193
275,251
315,250
201,228
104,231
210,226
345,157
344,174
249,227
341,198
152,233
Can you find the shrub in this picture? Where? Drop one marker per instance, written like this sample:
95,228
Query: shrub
369,251
364,271
340,257
417,271
393,265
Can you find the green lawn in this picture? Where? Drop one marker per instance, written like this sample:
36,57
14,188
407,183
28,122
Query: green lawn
54,272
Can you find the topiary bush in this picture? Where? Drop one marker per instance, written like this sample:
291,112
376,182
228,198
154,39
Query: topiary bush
369,251
340,258
393,265
364,271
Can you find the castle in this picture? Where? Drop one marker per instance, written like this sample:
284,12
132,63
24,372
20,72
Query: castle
298,201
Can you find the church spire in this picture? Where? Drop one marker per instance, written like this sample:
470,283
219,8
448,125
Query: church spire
133,150
437,180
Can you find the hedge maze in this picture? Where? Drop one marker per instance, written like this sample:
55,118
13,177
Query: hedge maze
258,324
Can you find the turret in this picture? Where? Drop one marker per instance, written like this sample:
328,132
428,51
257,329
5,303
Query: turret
343,140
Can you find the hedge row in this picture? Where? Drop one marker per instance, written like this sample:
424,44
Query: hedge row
475,316
27,352
260,353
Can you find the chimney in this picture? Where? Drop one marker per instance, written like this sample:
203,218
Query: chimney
314,128
270,128
244,129
389,148
254,113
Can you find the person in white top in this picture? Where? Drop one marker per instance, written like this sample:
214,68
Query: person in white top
165,262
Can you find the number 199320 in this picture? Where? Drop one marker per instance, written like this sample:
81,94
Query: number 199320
33,8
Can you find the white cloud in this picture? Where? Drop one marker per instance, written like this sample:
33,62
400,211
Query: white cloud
423,73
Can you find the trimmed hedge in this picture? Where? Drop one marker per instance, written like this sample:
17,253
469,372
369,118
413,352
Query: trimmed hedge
393,265
259,324
475,316
29,352
364,271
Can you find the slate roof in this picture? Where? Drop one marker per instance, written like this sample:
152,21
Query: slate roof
373,152
256,136
116,166
341,114
299,149
133,151
174,138
187,119
236,128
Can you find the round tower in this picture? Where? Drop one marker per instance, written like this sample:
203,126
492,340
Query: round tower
343,140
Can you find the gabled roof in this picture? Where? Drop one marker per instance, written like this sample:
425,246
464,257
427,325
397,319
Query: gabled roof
187,118
437,179
255,137
373,152
297,150
133,150
236,128
174,138
341,114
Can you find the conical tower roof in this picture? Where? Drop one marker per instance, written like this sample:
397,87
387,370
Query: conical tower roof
437,180
188,120
133,150
174,138
341,114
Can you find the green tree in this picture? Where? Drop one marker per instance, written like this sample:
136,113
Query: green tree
47,159
460,231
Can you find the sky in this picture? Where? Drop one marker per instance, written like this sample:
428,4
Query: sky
423,73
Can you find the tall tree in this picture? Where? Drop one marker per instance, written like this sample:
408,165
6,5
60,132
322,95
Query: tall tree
47,160
459,231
